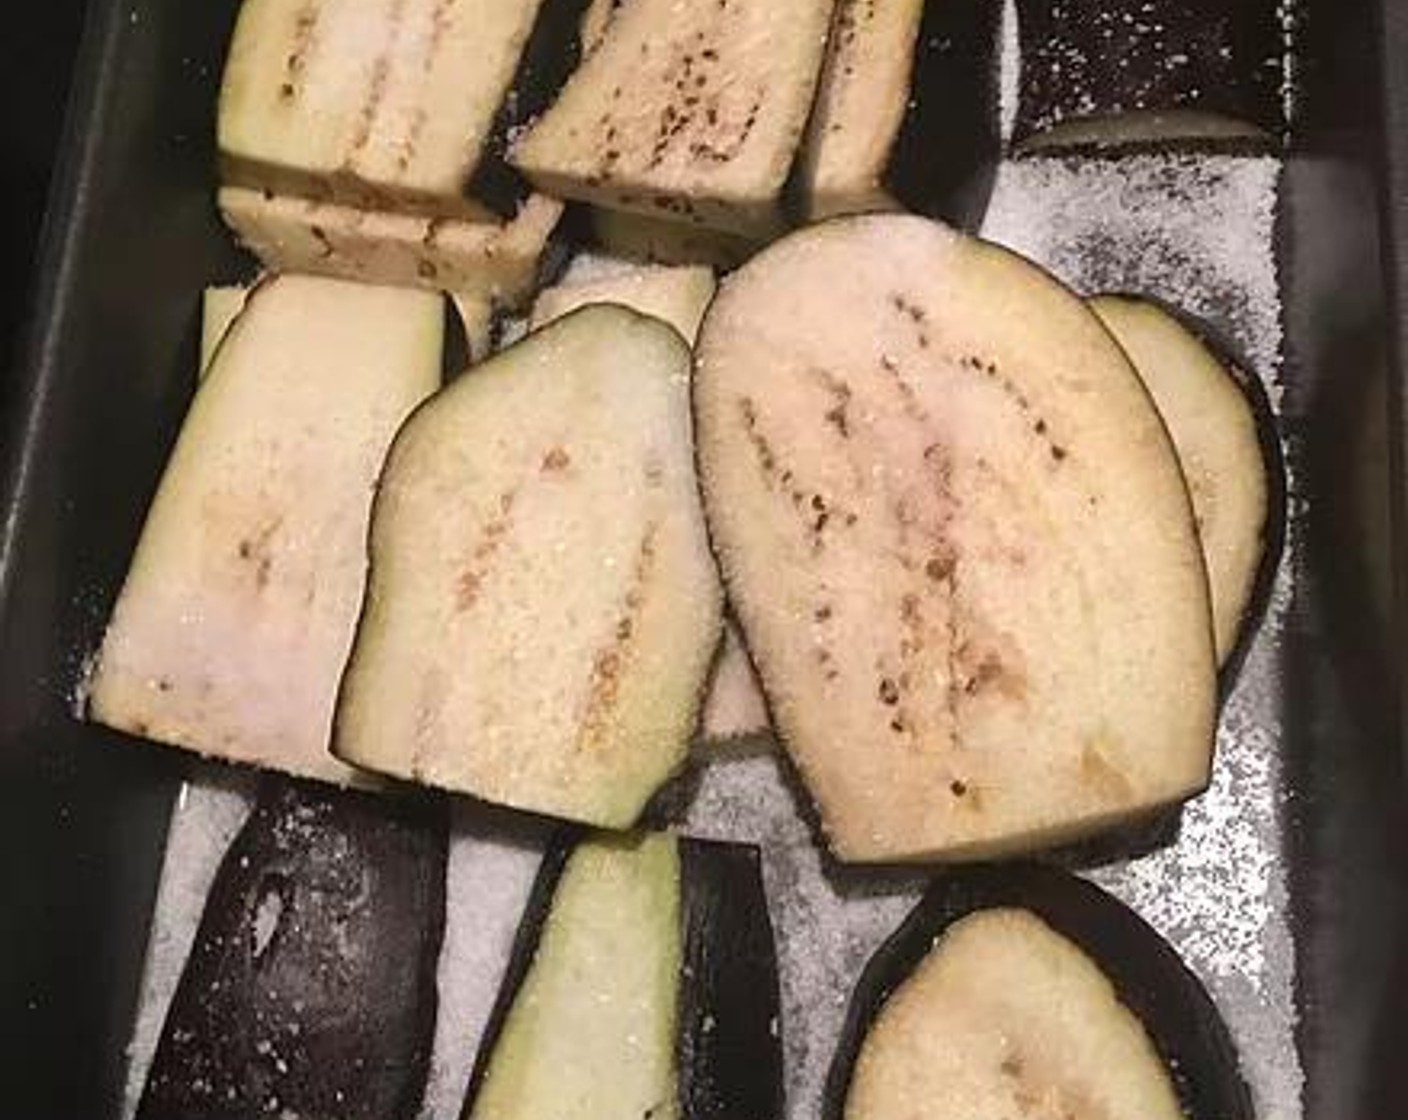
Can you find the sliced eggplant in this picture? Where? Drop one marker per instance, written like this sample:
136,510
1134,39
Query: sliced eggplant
735,707
310,990
1027,991
660,241
493,260
907,112
387,104
220,306
1215,431
645,985
674,295
957,538
692,112
1101,74
240,605
542,606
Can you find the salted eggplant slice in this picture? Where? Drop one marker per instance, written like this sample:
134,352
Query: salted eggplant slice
238,611
693,112
388,104
1216,434
542,605
1100,74
1025,989
310,989
958,541
735,707
489,259
906,115
644,984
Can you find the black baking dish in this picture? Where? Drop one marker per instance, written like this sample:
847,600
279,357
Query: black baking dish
131,239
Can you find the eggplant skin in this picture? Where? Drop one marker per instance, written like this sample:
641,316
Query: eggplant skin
730,1039
311,990
1148,975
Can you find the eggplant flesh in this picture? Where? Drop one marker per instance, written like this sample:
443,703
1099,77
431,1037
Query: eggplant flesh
1148,978
644,983
310,990
907,114
1099,74
913,495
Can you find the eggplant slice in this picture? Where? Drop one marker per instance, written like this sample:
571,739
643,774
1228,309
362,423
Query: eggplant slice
489,259
693,112
660,241
735,707
387,104
1216,434
906,115
644,985
1025,990
542,606
220,306
957,538
1115,75
310,990
239,608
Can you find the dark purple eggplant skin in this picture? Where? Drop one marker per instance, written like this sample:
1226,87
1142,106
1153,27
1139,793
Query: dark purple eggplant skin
310,991
729,1039
945,156
730,1025
552,53
1149,976
1083,58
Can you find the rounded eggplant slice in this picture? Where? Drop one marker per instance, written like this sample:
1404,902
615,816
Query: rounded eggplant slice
1224,431
1097,74
1064,992
957,539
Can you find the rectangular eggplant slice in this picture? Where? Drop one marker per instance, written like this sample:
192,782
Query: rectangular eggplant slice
310,989
906,115
542,605
387,104
1218,440
219,308
239,608
490,259
1093,73
1006,1017
692,112
957,538
661,241
645,984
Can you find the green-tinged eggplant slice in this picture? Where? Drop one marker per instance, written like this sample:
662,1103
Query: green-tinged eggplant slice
1025,991
690,112
1118,73
484,259
386,104
1218,435
542,606
310,989
906,115
644,985
239,609
958,541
